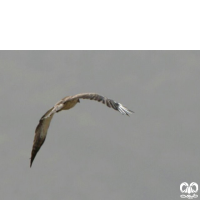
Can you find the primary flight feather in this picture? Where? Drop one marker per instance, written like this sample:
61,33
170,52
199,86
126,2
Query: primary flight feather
65,104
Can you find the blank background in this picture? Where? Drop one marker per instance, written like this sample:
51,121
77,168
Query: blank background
92,152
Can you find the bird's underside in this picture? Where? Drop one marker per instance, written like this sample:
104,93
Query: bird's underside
65,104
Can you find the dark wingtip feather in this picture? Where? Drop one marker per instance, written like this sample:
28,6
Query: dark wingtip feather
33,154
31,163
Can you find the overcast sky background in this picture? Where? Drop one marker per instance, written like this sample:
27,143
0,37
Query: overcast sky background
92,152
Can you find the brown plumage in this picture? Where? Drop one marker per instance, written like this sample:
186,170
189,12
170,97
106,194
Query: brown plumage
65,104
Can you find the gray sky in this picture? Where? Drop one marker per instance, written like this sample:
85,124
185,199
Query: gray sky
92,152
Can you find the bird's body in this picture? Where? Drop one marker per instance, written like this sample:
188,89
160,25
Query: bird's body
66,104
70,104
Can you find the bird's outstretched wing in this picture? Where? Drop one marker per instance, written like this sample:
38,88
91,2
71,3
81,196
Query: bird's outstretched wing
109,102
40,134
65,104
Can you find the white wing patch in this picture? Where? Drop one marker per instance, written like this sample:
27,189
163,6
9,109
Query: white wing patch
123,110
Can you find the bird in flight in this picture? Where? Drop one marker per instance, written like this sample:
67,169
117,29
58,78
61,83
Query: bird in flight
65,104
